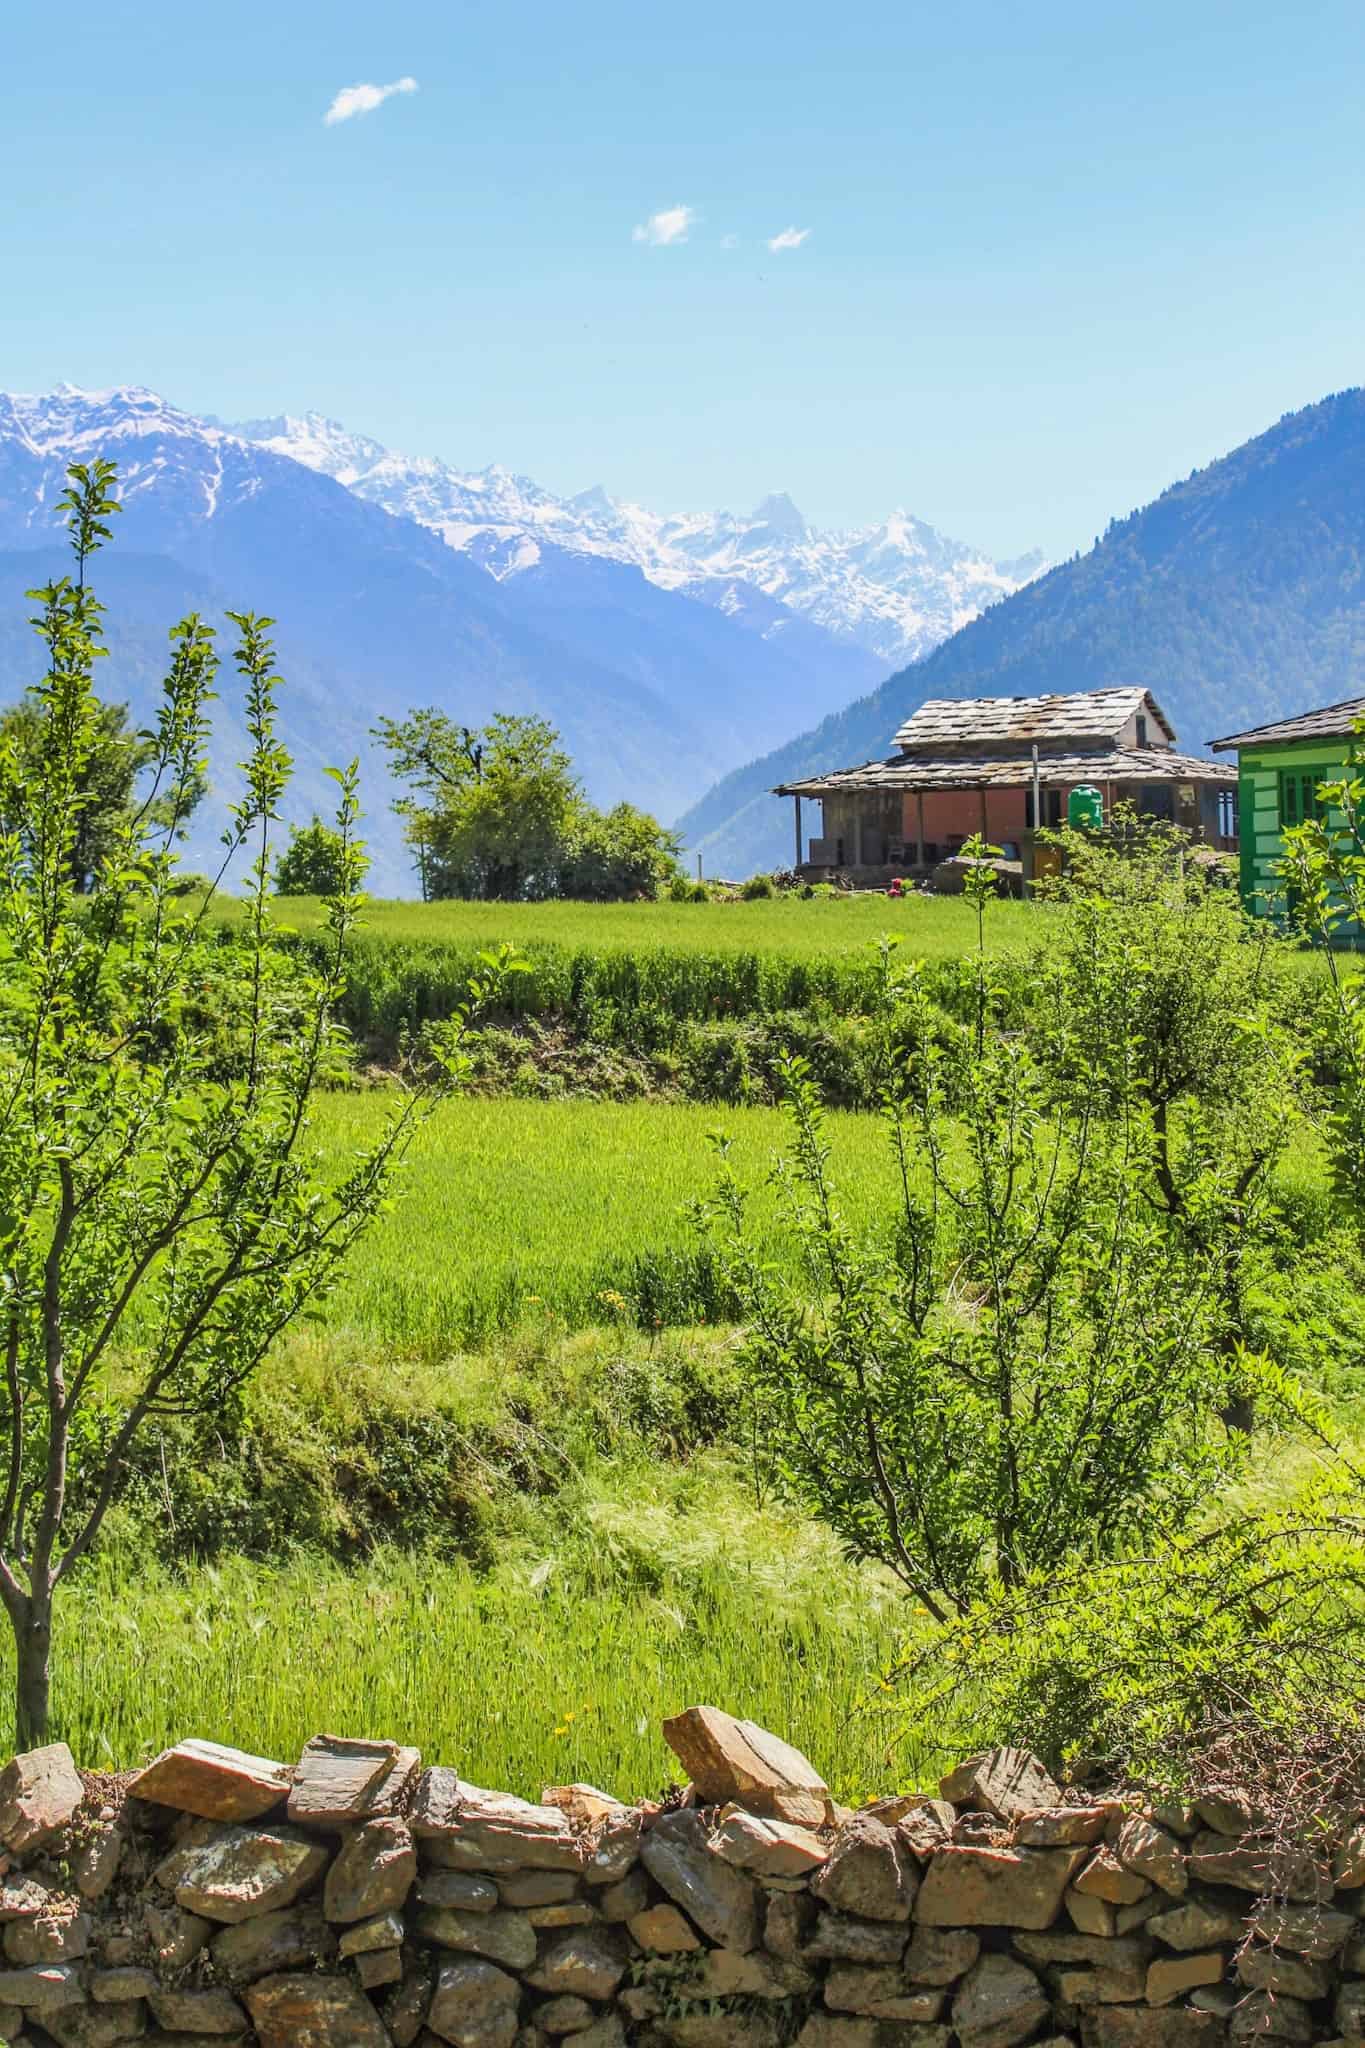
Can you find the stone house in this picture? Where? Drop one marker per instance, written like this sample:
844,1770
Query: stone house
983,765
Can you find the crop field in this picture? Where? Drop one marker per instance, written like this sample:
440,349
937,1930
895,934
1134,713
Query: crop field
508,1208
796,927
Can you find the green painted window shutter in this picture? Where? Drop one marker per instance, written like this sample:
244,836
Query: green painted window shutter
1299,792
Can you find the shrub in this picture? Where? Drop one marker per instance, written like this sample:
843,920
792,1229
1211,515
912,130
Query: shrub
757,888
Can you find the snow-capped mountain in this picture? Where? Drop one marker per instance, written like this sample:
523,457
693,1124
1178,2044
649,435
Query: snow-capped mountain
896,589
651,690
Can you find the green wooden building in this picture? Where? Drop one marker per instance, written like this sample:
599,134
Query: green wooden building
1279,770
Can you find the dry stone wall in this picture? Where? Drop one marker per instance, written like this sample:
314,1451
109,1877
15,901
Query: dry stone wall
356,1899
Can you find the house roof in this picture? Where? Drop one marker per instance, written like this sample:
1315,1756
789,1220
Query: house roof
943,722
1116,764
1331,722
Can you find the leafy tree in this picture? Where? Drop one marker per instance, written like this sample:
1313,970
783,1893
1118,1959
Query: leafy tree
1023,1367
499,813
116,759
162,1215
314,861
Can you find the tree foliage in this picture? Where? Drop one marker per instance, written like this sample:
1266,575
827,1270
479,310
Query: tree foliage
314,862
116,759
162,1217
499,813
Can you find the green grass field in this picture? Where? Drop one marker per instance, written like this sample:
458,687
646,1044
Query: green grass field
930,927
510,1208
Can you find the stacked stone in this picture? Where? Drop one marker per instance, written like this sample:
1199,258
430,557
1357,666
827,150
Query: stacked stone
354,1900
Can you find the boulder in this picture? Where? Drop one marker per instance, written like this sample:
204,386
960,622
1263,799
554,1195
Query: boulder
839,1938
215,1782
237,1872
1006,1782
737,1761
869,1872
292,1939
39,1794
881,1994
769,1848
1104,1877
1198,1923
373,1872
1154,1854
1257,1867
48,1938
664,1931
998,2004
475,2005
1169,1977
940,1955
721,1900
500,1937
340,1782
984,1887
466,1828
197,2012
313,2012
1135,2026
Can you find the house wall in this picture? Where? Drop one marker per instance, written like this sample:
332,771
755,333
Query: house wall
1258,791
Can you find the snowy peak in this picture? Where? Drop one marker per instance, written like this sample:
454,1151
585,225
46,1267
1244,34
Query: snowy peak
894,590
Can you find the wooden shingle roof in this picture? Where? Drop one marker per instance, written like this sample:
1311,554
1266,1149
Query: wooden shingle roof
1074,715
1333,721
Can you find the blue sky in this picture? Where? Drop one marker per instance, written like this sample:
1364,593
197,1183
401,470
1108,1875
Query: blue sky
1054,256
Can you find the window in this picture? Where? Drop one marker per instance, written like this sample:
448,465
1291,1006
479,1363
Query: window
1052,808
1141,730
1227,814
1299,800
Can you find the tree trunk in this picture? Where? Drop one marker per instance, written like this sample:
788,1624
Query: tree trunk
33,1672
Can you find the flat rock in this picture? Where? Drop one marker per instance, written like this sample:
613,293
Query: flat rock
1314,1931
1104,1877
725,1973
880,1994
1089,1915
197,2012
1006,1782
612,1846
1154,1854
384,1931
869,1871
94,1865
122,1986
467,1828
1135,2026
1170,1977
466,1890
215,1782
583,1805
48,1938
827,2030
23,1898
177,1936
769,1848
102,2026
587,1961
737,1761
998,2004
43,1988
475,2005
314,2012
940,1955
501,1937
238,1872
788,1924
272,1943
664,1931
1113,1954
839,1938
721,1900
985,1887
340,1782
373,1872
1260,2015
1198,1923
1257,1867
1265,1969
376,1966
1061,1827
39,1794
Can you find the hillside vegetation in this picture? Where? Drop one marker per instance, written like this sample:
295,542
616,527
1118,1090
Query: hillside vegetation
1237,597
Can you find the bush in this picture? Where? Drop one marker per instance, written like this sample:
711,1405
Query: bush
757,887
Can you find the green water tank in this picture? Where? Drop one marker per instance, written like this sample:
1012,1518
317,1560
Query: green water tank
1085,808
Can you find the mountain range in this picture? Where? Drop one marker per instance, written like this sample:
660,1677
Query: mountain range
1237,596
655,646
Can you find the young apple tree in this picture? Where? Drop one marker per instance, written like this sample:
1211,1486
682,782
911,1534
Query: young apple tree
162,1215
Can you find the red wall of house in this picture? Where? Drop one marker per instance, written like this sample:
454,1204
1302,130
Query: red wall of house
956,813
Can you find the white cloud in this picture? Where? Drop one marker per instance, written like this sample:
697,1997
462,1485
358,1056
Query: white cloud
790,238
363,99
670,225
